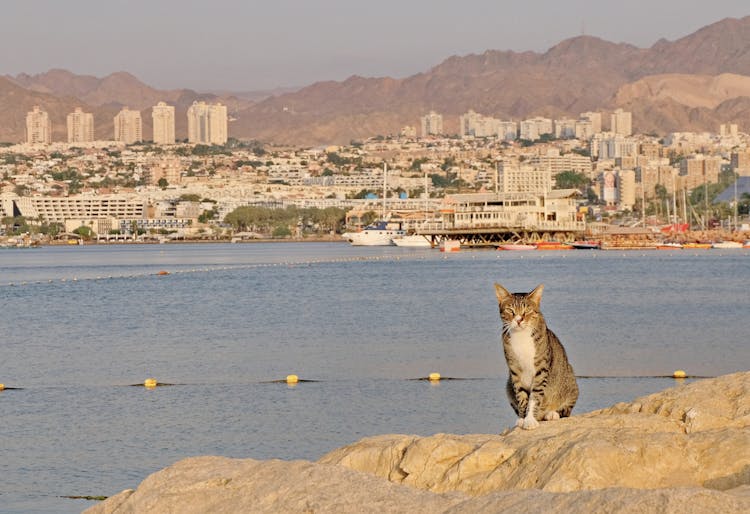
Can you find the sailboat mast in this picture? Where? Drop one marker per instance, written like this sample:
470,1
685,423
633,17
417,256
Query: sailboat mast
385,186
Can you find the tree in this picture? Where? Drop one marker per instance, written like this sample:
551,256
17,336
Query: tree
281,231
162,183
571,180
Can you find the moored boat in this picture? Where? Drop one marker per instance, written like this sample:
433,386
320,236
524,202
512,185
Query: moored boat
450,245
379,233
516,246
725,245
668,245
412,241
553,245
697,246
587,245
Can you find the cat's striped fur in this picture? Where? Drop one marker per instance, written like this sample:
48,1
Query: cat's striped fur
541,384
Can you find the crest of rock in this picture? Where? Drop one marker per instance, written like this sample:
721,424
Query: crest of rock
686,449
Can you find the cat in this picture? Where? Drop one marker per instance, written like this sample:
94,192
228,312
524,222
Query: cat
541,384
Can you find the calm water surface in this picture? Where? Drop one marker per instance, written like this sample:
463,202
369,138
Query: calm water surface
79,324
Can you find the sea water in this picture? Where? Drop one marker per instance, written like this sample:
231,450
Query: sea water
81,325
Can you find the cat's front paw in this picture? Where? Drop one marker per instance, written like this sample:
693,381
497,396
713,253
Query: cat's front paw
529,424
519,422
551,416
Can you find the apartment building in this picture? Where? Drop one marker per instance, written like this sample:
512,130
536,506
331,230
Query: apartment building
516,177
432,124
207,123
621,122
163,122
557,163
565,128
698,170
533,128
740,162
38,127
478,125
80,126
128,126
595,118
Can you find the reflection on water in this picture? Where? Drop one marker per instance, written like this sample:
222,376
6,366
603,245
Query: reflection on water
228,318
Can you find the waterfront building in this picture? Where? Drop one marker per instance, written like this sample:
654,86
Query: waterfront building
80,126
58,209
38,127
207,123
163,121
128,126
621,122
432,124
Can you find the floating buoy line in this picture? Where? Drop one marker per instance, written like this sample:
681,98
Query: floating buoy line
433,378
209,269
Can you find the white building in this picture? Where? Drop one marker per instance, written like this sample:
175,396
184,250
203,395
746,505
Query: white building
207,124
621,122
565,128
533,128
80,126
432,124
163,118
478,125
38,127
516,177
128,126
507,130
595,118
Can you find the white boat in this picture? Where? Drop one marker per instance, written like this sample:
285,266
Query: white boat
412,241
380,233
727,244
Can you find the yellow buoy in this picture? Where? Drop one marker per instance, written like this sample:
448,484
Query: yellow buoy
434,377
679,374
2,386
150,382
292,379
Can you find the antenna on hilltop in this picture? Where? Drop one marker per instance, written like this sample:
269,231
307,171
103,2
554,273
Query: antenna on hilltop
583,27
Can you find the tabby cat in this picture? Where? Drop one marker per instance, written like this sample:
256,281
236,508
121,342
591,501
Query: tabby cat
541,384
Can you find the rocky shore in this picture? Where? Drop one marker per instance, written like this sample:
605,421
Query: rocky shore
685,449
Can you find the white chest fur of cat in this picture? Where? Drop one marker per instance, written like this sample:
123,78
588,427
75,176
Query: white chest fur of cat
522,346
541,383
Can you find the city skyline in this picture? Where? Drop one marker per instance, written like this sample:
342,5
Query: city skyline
289,45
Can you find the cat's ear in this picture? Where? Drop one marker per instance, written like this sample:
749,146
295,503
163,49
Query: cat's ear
536,295
501,293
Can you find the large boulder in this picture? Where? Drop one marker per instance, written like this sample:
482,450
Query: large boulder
684,449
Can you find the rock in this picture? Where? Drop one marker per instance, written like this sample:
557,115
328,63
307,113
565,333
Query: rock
684,449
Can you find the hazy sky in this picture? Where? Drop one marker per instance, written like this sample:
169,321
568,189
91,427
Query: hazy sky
258,44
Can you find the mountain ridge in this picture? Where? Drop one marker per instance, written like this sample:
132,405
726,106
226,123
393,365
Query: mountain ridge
577,74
